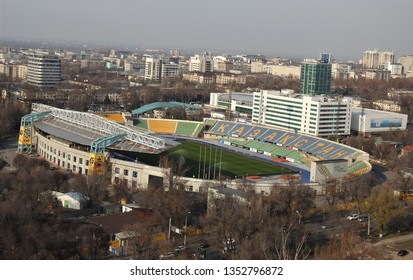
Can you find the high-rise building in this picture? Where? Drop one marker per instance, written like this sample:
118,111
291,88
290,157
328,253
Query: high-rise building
153,69
326,57
315,115
157,69
44,69
170,70
407,62
201,63
375,59
315,77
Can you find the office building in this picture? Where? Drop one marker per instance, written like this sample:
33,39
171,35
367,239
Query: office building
316,115
153,69
315,77
44,69
157,69
376,74
407,62
326,57
201,63
170,70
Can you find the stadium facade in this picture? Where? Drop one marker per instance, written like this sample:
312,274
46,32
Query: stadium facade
86,143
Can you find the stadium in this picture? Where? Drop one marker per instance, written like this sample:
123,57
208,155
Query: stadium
212,152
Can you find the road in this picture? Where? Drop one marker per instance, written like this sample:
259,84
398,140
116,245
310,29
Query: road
390,246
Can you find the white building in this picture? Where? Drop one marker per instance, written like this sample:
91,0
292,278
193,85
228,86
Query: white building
375,74
372,121
317,115
396,69
153,68
15,71
72,200
44,69
170,70
342,71
375,59
201,63
407,62
283,70
238,102
387,105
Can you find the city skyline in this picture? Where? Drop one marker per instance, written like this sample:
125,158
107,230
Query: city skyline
295,28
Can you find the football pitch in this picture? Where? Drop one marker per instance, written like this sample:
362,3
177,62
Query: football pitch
207,162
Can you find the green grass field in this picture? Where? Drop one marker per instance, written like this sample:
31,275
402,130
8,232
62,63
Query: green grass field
203,161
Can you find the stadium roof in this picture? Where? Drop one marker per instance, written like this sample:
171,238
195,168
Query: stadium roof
85,136
156,105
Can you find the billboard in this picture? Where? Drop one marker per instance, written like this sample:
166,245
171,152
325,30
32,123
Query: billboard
97,164
25,135
378,123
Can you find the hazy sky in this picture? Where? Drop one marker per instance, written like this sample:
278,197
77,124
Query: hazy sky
303,28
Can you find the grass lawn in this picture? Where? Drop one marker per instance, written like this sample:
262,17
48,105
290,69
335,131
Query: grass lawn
199,158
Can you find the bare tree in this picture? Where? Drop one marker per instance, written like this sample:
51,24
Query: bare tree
383,206
174,171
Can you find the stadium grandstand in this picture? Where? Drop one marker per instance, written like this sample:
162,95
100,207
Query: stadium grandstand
114,117
291,146
173,127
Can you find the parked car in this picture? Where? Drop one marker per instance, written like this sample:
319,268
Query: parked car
363,218
167,255
326,226
353,217
402,253
180,248
200,253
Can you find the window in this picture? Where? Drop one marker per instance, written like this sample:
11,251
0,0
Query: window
87,162
64,154
68,157
63,163
126,172
86,171
68,165
74,158
80,160
74,167
135,174
117,170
